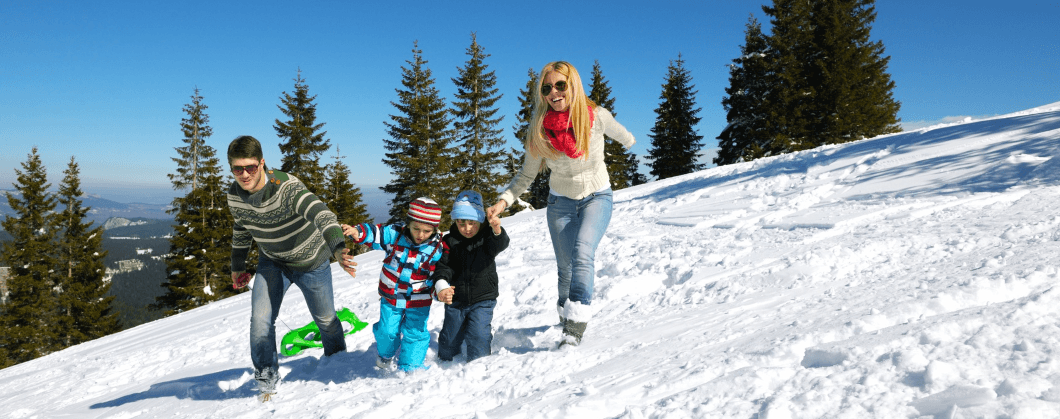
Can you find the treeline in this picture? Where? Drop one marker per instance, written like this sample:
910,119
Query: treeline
437,149
135,292
817,79
56,296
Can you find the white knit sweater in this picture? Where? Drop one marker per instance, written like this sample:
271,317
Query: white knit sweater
574,178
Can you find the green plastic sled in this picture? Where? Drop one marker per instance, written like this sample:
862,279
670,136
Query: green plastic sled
296,340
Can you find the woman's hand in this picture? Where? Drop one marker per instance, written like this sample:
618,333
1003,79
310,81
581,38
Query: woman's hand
496,209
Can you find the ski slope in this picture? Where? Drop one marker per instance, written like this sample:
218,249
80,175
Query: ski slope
908,275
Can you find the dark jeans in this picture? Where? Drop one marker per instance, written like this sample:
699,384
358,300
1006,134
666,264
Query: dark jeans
470,324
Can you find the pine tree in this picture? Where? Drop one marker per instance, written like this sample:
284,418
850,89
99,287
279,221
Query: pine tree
198,265
302,144
621,165
28,323
746,137
788,103
344,198
481,151
85,308
675,145
537,194
853,98
419,151
831,84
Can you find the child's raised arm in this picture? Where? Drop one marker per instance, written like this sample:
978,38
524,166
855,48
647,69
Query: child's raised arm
351,231
495,224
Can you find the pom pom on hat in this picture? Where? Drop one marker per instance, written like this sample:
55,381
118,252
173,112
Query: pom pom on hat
426,211
468,206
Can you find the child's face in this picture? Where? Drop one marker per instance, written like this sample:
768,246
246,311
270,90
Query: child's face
420,232
468,228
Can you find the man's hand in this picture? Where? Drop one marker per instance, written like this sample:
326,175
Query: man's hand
351,232
240,279
446,295
347,265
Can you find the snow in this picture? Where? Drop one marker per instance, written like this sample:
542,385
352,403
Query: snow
909,275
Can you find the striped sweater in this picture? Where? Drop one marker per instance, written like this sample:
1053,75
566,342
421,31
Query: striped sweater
290,224
405,279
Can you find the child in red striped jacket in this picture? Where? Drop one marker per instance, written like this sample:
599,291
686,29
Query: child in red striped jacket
405,287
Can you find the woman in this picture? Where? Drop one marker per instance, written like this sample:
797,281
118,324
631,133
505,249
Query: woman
567,135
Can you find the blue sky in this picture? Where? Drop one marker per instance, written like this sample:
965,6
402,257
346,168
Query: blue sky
106,81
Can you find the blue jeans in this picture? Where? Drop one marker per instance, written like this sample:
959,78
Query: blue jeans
576,227
265,307
404,328
471,324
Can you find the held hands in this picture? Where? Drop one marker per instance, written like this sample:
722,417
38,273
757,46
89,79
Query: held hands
346,263
240,279
351,232
495,224
446,295
496,209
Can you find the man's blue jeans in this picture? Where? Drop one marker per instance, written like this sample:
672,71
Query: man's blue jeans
576,227
471,324
274,278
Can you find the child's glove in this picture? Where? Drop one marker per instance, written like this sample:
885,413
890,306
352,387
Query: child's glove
240,279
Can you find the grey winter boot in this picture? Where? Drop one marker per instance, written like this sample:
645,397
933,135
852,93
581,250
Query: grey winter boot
559,309
572,332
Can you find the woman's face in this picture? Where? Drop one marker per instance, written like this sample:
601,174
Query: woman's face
559,101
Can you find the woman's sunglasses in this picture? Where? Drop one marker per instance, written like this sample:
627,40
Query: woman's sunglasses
250,169
547,88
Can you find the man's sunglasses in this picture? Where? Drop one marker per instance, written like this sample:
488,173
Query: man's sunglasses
251,169
547,88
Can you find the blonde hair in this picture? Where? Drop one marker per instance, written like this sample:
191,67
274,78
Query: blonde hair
538,144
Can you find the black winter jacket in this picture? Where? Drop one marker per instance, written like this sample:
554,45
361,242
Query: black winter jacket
471,264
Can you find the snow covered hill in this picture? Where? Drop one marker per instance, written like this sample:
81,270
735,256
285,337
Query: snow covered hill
902,276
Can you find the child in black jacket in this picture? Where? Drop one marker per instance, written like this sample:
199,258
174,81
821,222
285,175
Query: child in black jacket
467,279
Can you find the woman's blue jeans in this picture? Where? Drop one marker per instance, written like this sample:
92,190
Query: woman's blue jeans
576,227
265,307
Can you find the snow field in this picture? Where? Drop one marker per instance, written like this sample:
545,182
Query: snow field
909,275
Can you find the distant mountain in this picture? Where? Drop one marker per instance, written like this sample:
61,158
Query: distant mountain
140,228
102,209
115,222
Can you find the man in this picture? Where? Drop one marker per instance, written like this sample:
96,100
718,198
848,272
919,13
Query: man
297,235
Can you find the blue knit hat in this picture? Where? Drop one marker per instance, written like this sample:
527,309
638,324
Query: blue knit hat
468,206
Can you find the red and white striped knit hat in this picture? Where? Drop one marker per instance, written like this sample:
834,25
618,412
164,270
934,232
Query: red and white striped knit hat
426,211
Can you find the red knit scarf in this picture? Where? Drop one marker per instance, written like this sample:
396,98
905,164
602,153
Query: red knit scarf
561,134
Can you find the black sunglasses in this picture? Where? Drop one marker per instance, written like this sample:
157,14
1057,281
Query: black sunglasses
547,88
251,169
